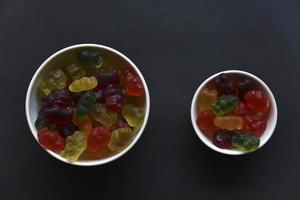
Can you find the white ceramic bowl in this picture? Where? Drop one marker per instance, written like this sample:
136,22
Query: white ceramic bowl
32,106
271,123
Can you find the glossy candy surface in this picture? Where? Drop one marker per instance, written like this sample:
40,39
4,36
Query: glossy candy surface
51,140
134,115
225,104
120,138
101,114
245,141
53,80
85,104
206,99
83,84
107,78
74,72
98,138
229,122
90,58
132,83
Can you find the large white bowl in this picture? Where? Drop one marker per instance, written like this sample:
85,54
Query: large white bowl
32,105
271,123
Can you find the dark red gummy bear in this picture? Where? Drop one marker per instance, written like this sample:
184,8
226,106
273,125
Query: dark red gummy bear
225,85
51,140
114,103
66,130
205,122
98,138
106,78
58,115
119,124
257,100
244,86
132,83
60,97
222,138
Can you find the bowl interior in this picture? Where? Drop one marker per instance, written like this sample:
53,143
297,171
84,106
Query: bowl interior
271,122
62,58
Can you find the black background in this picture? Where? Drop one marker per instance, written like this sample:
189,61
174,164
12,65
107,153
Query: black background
176,44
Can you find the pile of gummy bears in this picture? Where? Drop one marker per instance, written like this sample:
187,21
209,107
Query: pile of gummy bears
89,112
233,112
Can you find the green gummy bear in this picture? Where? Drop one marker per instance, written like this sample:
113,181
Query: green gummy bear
75,72
245,141
120,139
85,104
101,114
75,145
41,122
134,115
90,58
225,104
55,79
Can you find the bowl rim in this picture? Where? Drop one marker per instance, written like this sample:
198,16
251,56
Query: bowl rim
88,162
205,140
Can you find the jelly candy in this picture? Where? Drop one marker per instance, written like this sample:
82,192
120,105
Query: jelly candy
90,58
106,78
75,145
98,138
119,124
84,123
245,141
114,103
241,109
254,124
244,86
229,122
132,83
85,104
74,72
224,85
60,97
257,100
66,130
112,89
103,115
120,138
100,98
58,115
225,104
206,99
83,84
222,138
51,140
41,122
205,122
53,80
134,115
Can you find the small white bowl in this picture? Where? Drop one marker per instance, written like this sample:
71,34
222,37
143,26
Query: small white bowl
271,123
32,106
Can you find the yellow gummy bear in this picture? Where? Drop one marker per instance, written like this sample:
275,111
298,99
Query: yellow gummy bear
120,139
229,122
206,98
83,84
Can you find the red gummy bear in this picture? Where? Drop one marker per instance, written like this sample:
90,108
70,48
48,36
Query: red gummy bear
257,100
99,137
205,122
132,83
241,110
58,115
119,124
254,124
51,140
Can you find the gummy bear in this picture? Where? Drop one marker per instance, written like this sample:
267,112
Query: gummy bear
60,97
119,124
101,114
84,124
257,100
114,103
133,114
53,80
224,85
244,86
41,122
229,122
241,110
66,130
205,122
120,139
133,84
245,141
98,138
206,99
106,78
75,145
222,138
100,98
225,104
74,72
90,58
51,140
85,104
58,115
254,124
83,84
